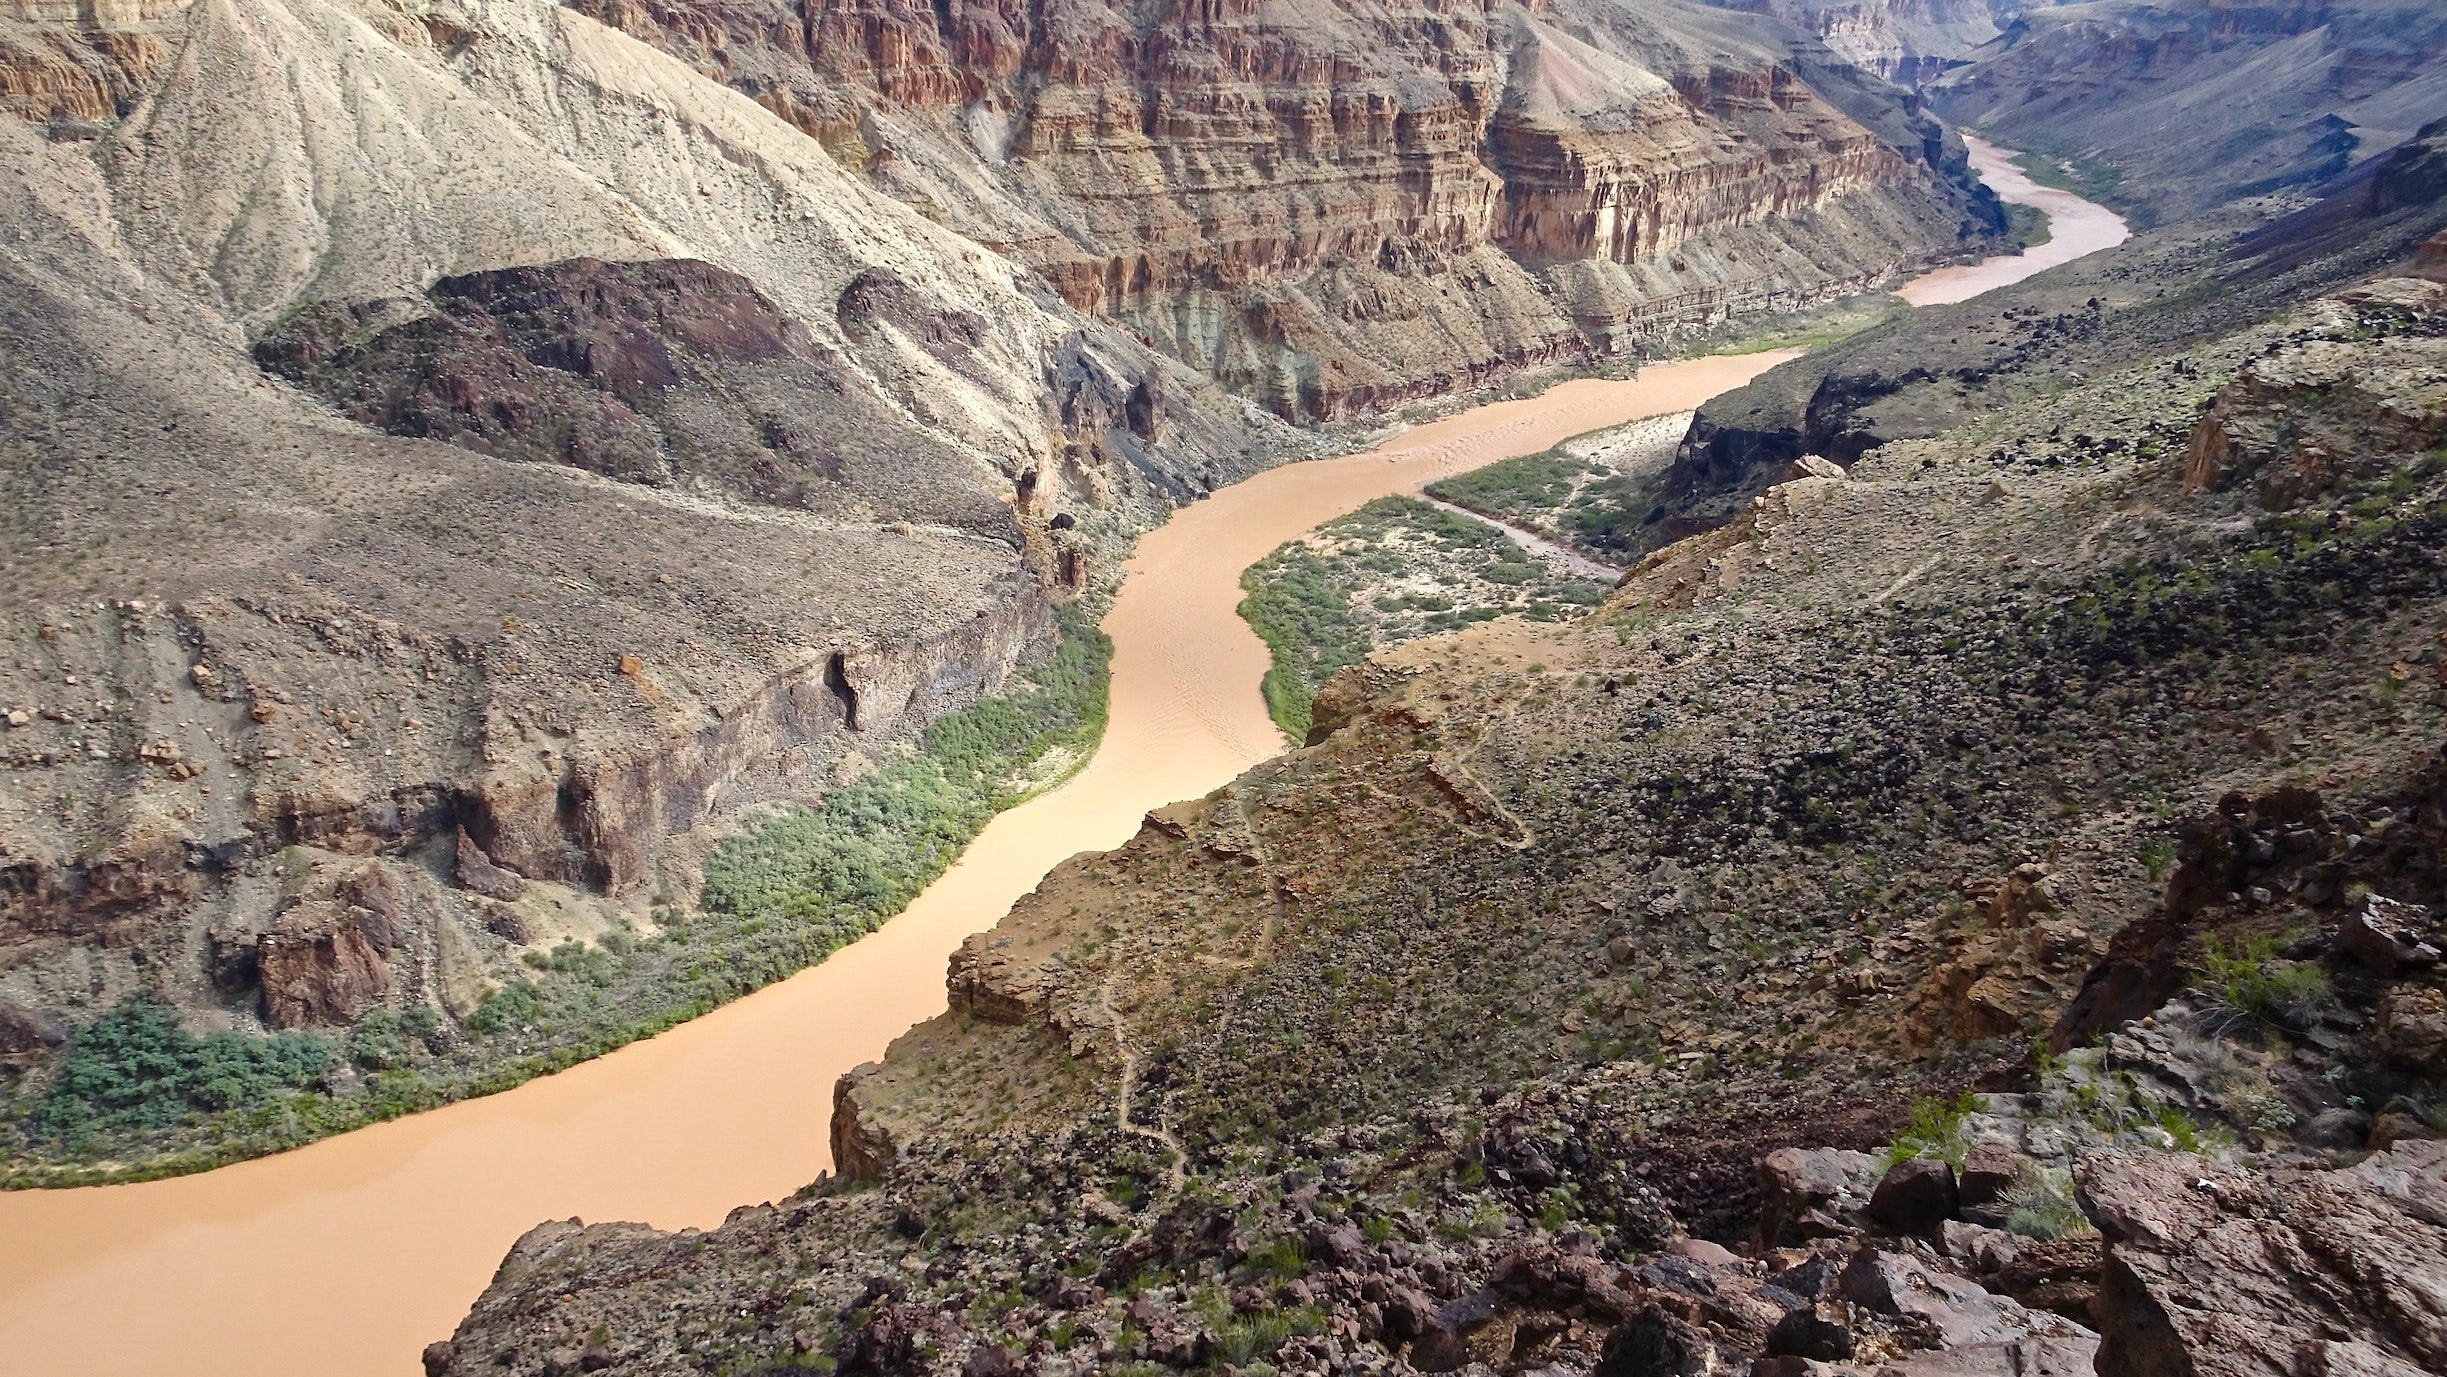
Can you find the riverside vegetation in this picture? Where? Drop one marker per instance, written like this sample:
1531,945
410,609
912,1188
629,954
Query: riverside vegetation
136,1086
1393,571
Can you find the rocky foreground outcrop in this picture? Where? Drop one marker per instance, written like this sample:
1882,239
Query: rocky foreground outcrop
1331,206
2214,1271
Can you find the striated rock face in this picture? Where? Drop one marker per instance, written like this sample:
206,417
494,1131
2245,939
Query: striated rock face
74,62
2215,1271
1340,205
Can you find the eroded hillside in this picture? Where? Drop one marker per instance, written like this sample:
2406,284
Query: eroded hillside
2171,109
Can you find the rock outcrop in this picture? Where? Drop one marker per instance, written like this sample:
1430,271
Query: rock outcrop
2220,1272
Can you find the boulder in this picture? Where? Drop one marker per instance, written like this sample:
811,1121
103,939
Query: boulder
2399,1122
2060,1274
2339,1129
1943,1309
318,969
2387,936
1812,1331
477,872
1654,1343
2412,1028
1915,1196
1807,1193
1813,466
2219,1271
1989,1171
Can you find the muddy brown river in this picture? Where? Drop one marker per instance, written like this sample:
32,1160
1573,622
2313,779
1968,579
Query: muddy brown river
348,1256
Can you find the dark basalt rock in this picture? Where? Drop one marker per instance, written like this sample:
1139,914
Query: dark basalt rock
645,371
1914,1197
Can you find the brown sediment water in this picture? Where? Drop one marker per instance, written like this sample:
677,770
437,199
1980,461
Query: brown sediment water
348,1256
2076,227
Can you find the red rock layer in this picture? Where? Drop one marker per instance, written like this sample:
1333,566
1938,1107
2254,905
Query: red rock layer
1298,198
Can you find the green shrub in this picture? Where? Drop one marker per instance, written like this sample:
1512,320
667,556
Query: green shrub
136,1069
2041,1206
2251,981
1934,1128
1304,616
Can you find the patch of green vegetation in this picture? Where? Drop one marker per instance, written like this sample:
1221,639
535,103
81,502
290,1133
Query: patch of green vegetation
1564,498
1303,614
2084,177
1241,1340
2157,857
2180,1128
1934,1128
2027,227
137,1069
1393,571
2249,979
1285,1259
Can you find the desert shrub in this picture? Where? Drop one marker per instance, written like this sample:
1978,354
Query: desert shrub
2249,980
136,1069
2041,1206
1934,1128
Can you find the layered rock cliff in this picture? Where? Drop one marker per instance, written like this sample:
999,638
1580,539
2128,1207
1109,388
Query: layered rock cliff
1340,205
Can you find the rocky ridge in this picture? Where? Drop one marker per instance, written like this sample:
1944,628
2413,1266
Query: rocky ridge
2297,94
2062,329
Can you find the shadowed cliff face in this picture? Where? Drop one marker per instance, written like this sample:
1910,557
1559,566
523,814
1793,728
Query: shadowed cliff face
1339,205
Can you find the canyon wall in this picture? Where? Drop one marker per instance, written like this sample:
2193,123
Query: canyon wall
1340,205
